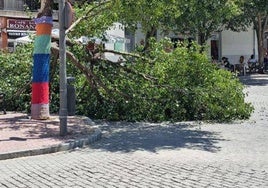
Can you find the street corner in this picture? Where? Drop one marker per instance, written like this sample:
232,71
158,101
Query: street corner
22,136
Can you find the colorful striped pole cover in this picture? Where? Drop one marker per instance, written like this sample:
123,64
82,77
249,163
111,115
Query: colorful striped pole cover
41,58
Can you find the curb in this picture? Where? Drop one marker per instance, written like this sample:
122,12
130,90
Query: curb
78,143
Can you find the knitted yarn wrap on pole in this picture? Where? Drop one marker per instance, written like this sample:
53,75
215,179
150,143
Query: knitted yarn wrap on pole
41,59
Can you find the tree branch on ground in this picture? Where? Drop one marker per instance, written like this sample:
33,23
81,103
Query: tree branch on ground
87,72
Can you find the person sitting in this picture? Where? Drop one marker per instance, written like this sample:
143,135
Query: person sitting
265,61
252,63
226,63
242,65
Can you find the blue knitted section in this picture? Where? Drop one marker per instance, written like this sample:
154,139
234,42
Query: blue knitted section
44,19
41,68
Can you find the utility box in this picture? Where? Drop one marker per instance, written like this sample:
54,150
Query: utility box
71,96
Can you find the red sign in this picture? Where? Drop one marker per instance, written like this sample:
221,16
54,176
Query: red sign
20,24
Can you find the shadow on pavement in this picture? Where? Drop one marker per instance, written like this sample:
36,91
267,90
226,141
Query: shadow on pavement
254,80
23,128
31,129
129,137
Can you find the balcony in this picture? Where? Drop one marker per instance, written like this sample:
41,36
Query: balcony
19,5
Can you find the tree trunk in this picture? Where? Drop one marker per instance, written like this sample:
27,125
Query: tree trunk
260,33
41,59
150,34
202,41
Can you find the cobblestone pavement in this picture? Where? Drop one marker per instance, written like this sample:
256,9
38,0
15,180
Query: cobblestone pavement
159,155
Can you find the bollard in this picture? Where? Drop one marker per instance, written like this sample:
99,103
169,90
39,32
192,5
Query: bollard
2,102
71,96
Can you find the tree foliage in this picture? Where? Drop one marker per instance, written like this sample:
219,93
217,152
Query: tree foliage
202,18
164,86
151,15
15,77
194,18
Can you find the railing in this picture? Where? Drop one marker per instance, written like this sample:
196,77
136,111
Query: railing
19,5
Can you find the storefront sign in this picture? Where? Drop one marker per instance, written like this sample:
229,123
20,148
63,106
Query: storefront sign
13,34
20,24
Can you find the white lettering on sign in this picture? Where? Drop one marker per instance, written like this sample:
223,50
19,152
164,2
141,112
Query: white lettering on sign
17,34
21,24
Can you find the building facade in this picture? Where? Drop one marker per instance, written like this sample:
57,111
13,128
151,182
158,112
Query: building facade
16,20
222,44
233,45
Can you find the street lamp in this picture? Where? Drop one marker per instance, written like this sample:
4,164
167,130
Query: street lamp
63,81
65,21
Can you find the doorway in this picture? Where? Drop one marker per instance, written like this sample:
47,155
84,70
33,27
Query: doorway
214,49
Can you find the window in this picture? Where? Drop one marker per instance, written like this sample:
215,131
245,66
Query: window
33,5
13,4
1,4
19,5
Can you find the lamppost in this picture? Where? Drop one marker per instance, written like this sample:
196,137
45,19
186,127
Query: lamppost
63,82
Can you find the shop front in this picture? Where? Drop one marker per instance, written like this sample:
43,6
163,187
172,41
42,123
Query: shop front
12,28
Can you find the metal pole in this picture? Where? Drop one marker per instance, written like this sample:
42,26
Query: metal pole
254,43
63,81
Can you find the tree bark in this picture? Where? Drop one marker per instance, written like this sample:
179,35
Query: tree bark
151,33
260,26
260,42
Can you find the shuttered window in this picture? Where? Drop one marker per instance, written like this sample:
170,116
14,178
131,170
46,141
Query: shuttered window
13,4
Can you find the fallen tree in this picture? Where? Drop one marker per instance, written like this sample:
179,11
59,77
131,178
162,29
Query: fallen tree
158,84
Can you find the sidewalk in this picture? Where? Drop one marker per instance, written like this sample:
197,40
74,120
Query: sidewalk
21,136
